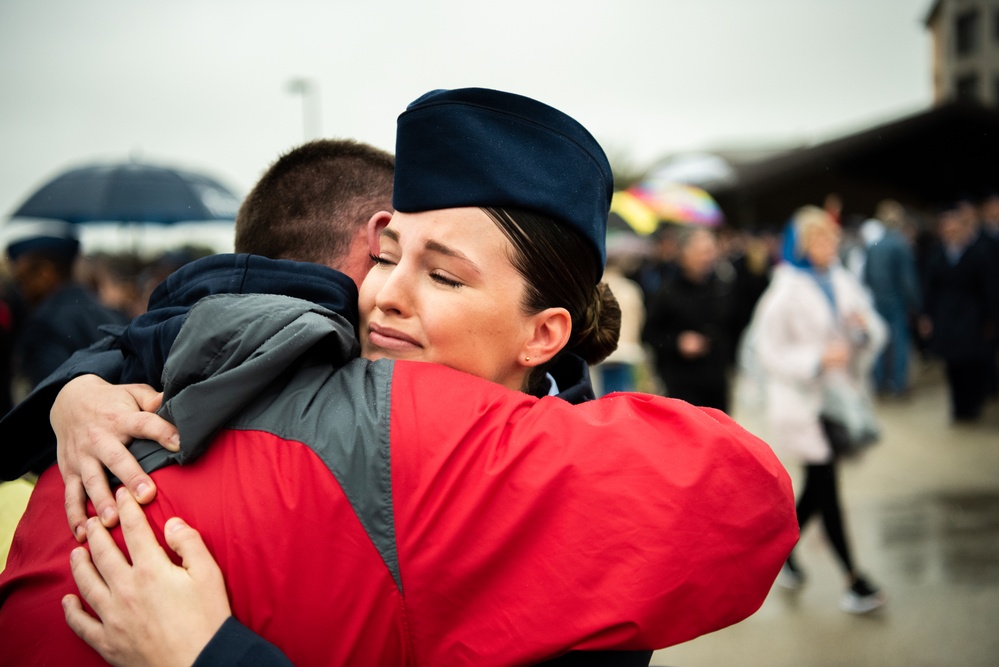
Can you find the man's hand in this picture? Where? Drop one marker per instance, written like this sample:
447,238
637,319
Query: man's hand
151,612
94,422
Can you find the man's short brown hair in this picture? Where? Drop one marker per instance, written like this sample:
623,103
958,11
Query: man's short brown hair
310,203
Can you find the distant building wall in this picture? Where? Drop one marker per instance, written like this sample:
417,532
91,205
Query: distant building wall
965,38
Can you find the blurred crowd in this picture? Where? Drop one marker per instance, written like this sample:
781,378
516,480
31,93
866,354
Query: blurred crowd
817,316
687,292
932,276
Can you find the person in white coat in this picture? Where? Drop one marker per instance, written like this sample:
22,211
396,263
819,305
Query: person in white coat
815,325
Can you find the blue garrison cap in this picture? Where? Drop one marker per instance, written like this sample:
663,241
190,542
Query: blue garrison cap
56,238
480,147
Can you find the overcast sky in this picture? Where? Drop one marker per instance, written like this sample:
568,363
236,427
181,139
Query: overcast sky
204,83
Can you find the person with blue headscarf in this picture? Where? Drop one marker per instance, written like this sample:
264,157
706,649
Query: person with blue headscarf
815,327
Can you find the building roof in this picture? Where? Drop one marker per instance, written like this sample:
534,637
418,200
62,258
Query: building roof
948,151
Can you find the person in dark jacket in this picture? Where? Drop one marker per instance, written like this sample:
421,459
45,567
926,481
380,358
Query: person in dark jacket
890,274
960,305
691,324
49,317
62,316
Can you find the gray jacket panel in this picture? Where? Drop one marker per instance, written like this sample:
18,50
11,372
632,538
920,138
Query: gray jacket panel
276,364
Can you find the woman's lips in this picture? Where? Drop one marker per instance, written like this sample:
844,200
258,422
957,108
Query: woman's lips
387,338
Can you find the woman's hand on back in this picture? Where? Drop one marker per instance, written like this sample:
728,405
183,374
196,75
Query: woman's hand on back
150,612
94,422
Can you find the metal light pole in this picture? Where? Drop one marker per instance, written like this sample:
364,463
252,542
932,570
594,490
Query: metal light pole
310,106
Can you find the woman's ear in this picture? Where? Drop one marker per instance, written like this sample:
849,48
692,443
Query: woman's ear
375,226
551,330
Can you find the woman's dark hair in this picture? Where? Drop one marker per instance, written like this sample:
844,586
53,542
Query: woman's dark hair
561,271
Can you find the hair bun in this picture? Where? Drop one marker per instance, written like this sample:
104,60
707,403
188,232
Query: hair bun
598,336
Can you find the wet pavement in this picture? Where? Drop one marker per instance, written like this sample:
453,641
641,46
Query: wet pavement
922,514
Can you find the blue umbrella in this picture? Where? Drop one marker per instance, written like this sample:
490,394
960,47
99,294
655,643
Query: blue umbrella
130,192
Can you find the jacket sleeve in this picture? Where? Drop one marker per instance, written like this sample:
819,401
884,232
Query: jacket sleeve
19,454
875,326
527,526
234,645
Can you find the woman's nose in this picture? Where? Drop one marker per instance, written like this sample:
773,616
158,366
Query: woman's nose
395,296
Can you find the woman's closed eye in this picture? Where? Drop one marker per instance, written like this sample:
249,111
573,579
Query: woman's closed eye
436,276
445,280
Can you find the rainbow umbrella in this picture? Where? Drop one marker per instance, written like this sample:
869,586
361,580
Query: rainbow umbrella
639,217
678,203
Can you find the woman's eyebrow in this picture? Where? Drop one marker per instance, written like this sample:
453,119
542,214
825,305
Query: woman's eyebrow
448,251
436,247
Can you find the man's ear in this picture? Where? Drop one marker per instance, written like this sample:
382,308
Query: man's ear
375,226
551,330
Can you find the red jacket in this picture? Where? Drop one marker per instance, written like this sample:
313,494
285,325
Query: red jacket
405,513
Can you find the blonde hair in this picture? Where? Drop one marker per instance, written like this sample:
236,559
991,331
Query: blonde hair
808,222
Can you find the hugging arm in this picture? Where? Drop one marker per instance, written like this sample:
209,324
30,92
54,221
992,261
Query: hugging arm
91,421
94,421
20,455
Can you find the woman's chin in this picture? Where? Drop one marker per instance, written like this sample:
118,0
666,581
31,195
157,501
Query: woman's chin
394,355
